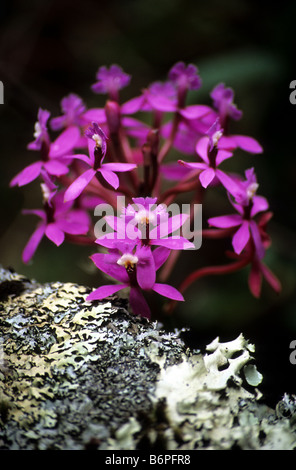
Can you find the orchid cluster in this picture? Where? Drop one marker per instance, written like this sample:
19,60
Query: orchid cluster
126,150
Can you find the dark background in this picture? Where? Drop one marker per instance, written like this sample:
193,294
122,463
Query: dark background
51,48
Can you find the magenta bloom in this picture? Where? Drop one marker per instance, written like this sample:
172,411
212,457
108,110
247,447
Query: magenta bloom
223,102
148,224
185,77
110,81
212,157
97,143
57,218
133,267
73,108
248,205
229,142
41,132
51,153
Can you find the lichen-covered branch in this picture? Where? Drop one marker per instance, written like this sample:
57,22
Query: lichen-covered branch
81,375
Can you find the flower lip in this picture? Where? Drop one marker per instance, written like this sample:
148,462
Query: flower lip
215,133
145,217
98,140
96,133
216,136
247,189
145,211
37,129
128,260
40,134
251,190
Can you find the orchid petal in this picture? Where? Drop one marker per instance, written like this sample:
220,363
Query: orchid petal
168,226
194,165
255,280
54,234
207,176
179,243
223,155
225,221
271,278
241,237
65,142
174,171
202,147
227,182
160,255
260,250
75,223
116,223
95,114
247,143
133,105
91,145
146,272
114,270
27,175
110,177
107,241
119,166
227,142
161,103
78,156
56,168
195,111
40,213
260,204
33,243
138,303
119,225
105,291
168,291
76,188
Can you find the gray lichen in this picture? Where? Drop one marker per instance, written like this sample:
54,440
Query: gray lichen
80,375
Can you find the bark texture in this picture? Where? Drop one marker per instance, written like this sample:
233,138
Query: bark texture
80,375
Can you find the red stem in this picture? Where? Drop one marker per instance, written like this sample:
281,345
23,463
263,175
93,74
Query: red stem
214,270
181,188
80,240
210,271
169,142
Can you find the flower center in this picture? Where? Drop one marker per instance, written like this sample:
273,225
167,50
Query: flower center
45,192
38,130
128,261
216,136
98,140
144,217
251,190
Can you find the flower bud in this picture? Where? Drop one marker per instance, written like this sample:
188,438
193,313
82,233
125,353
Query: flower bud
112,110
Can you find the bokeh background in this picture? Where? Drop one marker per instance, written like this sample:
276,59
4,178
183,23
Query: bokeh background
51,48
